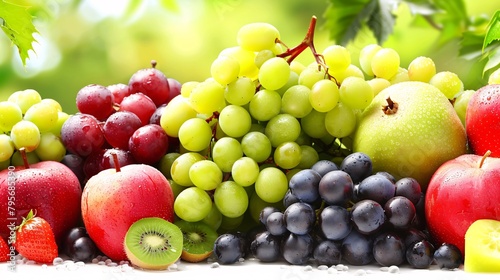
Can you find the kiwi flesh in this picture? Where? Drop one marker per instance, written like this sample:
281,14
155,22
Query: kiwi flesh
153,243
198,240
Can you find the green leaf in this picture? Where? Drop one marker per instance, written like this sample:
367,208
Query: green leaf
18,26
493,31
493,60
381,20
132,7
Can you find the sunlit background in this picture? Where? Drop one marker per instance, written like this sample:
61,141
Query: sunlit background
105,42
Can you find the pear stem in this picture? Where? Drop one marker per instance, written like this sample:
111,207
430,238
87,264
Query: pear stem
24,156
116,162
487,154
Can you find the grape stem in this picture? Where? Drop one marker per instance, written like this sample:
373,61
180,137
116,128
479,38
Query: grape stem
24,156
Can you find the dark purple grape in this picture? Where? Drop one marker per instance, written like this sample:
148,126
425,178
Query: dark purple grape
367,216
81,134
156,116
265,212
376,187
335,222
95,100
119,92
93,163
289,198
119,127
304,185
324,166
412,236
400,212
357,165
357,249
297,249
75,163
148,144
448,256
299,218
336,188
124,158
328,253
387,175
83,249
420,254
139,104
72,235
409,188
229,248
276,224
151,82
389,249
266,247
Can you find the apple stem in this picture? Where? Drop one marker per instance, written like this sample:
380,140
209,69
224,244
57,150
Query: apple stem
391,107
24,156
115,161
487,154
153,63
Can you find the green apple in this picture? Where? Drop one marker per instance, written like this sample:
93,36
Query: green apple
409,130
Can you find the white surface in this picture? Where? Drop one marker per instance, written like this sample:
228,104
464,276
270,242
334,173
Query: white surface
249,269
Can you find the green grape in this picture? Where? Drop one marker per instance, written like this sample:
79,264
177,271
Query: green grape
10,114
378,84
337,57
228,224
259,127
195,134
245,171
401,76
4,164
25,134
365,57
293,80
448,83
6,147
421,69
309,156
225,69
192,204
385,63
351,71
303,139
297,67
165,163
271,185
324,95
231,199
208,97
494,77
17,158
257,36
235,121
205,174
50,148
43,115
256,145
287,155
289,174
310,75
176,188
256,204
188,87
240,91
341,121
461,103
246,59
274,73
53,103
177,111
61,118
314,124
295,101
180,168
355,93
282,128
262,56
225,152
25,98
214,218
265,105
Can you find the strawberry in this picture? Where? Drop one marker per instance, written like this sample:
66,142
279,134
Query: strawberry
4,251
35,240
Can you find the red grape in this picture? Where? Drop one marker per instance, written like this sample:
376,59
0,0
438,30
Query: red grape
139,104
152,82
155,118
95,100
119,127
81,134
119,92
148,144
124,158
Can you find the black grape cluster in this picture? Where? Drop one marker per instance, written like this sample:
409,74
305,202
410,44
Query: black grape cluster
345,214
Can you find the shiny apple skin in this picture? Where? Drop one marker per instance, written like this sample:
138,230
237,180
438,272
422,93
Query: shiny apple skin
460,193
112,201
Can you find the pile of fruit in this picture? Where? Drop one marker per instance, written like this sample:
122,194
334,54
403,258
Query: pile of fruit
326,163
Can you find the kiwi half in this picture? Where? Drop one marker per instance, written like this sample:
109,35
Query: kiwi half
198,240
153,243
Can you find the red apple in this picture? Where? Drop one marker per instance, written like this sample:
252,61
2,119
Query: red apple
50,188
460,192
482,120
114,199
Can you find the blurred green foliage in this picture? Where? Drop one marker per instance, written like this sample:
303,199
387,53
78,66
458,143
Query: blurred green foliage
80,42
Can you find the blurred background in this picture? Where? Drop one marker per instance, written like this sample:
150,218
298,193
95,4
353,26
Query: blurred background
83,42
